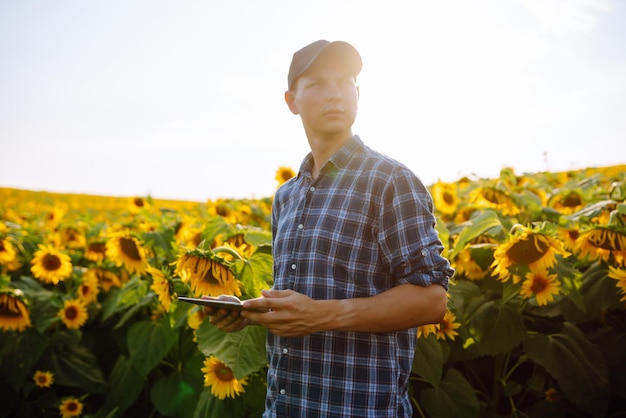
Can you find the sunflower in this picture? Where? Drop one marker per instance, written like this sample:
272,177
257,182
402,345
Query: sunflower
283,174
126,251
96,251
105,278
70,407
466,266
220,378
491,197
567,201
426,330
72,238
88,289
7,252
446,328
445,197
620,276
73,314
552,395
540,284
528,248
14,314
206,274
568,237
43,379
602,243
161,286
51,265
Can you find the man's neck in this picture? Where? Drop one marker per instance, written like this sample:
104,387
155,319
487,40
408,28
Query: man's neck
324,148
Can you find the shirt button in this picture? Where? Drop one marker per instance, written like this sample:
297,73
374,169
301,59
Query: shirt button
293,266
283,391
285,350
300,226
424,252
312,188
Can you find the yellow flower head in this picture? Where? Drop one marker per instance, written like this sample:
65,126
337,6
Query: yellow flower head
70,407
283,174
105,278
7,252
532,249
43,379
491,197
603,243
447,327
73,314
206,274
14,313
426,330
96,251
126,251
540,284
50,265
220,378
620,276
161,287
88,289
445,197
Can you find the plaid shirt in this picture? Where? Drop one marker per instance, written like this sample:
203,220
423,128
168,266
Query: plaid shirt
364,225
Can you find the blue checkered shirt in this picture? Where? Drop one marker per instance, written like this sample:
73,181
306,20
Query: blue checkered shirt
364,225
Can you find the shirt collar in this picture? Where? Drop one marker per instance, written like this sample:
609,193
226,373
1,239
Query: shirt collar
339,159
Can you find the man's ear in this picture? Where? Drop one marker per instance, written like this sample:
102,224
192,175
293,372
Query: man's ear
289,99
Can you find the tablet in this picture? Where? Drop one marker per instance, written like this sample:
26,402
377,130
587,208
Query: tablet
217,304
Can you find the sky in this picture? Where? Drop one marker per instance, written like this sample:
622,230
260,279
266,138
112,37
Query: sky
185,99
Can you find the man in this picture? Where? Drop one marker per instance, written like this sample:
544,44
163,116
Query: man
357,260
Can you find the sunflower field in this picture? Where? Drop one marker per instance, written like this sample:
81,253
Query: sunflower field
90,324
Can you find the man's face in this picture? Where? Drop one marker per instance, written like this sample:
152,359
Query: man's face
326,98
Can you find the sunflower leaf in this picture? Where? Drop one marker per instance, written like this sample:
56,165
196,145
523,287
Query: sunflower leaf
498,328
429,359
576,364
242,351
176,394
454,397
148,343
475,227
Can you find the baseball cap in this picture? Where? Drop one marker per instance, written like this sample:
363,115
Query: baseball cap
338,50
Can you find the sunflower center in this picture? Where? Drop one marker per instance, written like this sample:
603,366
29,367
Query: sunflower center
2,248
538,286
129,248
572,199
225,374
138,202
71,313
72,406
98,247
495,196
527,251
448,198
51,262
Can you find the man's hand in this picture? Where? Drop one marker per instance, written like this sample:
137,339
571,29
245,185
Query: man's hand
290,314
223,319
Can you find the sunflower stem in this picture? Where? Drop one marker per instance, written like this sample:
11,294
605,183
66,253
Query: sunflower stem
229,251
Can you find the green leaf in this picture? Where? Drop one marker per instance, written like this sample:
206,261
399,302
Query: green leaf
576,364
258,237
214,227
125,386
242,351
497,328
211,407
599,294
177,394
255,273
124,298
148,343
454,398
19,353
429,359
75,365
475,227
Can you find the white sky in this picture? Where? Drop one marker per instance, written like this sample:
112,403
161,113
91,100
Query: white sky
184,99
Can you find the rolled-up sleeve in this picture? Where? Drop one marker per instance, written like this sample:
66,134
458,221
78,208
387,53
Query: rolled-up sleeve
409,243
